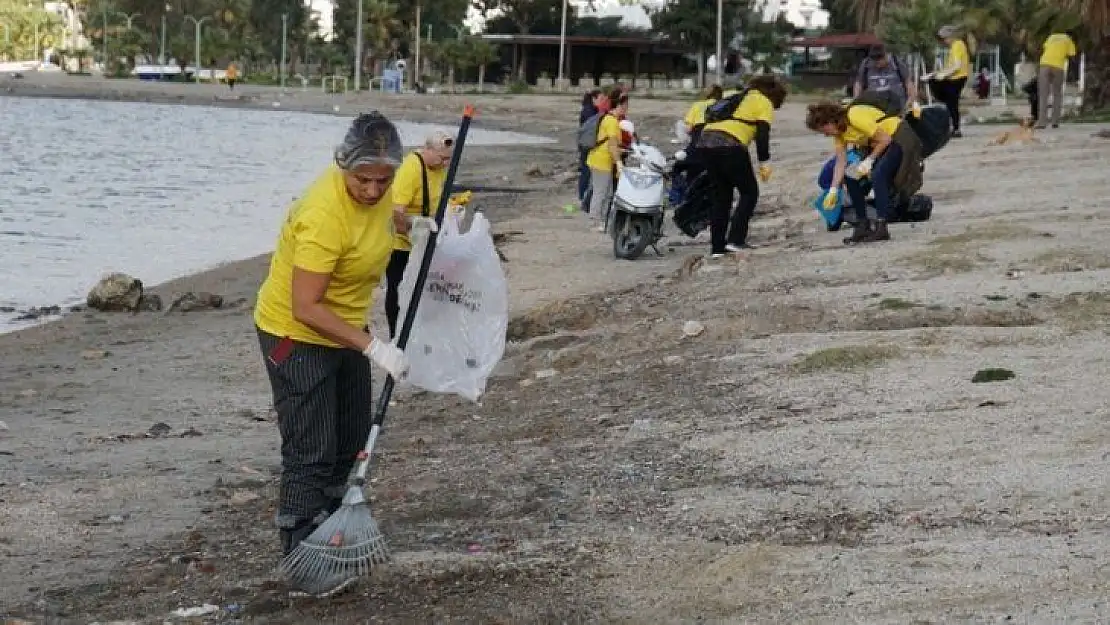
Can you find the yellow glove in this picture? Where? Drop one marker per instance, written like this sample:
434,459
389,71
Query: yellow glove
830,200
764,173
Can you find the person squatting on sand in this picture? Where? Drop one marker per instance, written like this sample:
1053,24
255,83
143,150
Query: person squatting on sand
422,170
893,161
723,150
333,248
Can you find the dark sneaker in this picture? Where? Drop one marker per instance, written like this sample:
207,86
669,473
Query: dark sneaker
1055,125
956,134
860,232
880,233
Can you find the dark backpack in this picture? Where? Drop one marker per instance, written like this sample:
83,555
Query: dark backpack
933,128
587,132
890,58
882,100
725,108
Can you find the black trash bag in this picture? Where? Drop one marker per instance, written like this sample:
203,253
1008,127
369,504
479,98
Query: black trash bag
933,128
691,212
916,209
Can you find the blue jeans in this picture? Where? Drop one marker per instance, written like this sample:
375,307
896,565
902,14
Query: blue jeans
583,180
882,182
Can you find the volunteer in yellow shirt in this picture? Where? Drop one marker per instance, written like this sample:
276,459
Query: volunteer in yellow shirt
873,131
604,160
426,165
723,148
333,248
232,76
1058,49
695,115
948,83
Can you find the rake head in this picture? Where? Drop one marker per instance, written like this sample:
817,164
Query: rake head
345,546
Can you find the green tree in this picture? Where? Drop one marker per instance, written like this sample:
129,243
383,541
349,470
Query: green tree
693,23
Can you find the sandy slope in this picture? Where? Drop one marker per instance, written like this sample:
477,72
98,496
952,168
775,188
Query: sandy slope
819,454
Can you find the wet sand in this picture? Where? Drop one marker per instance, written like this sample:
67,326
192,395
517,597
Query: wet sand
818,454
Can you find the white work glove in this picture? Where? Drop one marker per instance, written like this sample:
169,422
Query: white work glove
914,108
422,225
864,168
387,356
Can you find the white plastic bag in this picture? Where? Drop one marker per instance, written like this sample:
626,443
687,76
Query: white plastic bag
458,336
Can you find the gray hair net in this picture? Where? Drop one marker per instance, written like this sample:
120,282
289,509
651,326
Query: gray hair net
371,140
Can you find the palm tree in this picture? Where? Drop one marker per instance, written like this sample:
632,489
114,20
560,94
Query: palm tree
1096,18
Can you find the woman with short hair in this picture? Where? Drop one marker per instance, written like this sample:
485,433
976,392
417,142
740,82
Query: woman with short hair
893,161
423,168
311,313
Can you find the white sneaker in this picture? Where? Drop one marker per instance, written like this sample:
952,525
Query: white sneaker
717,256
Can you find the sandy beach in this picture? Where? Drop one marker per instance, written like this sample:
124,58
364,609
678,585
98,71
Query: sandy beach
818,454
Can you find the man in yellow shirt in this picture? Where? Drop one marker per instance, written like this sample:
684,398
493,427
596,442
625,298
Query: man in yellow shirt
889,147
232,76
604,160
723,148
1058,49
425,168
695,115
948,83
333,248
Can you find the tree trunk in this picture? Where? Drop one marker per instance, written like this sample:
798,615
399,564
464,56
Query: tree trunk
481,78
1096,91
701,68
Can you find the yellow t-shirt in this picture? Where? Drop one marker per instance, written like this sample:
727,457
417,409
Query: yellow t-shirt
232,72
1058,48
408,190
863,121
325,231
696,114
755,107
958,56
599,158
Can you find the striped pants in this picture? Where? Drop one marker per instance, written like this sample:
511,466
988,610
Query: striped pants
323,400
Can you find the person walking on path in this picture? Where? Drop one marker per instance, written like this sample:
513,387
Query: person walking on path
416,191
948,83
232,76
311,313
1057,50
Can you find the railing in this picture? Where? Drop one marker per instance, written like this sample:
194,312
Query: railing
334,81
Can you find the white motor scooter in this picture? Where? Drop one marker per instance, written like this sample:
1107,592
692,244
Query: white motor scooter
635,217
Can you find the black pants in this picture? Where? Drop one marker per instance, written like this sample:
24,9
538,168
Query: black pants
394,273
323,399
730,168
948,92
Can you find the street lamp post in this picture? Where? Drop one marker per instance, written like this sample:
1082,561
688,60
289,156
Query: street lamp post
720,34
196,45
562,45
130,18
104,39
358,47
162,52
284,27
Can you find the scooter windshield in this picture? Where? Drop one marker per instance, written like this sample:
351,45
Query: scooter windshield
641,179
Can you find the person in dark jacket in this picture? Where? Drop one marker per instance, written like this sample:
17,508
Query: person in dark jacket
593,102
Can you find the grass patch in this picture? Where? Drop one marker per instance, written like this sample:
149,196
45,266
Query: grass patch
896,303
847,358
992,374
939,262
986,232
1066,261
1083,311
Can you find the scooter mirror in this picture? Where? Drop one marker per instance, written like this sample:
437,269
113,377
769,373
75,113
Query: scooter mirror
680,155
627,126
681,133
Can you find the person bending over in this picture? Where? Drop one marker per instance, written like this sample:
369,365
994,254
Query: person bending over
311,313
425,168
893,161
723,150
